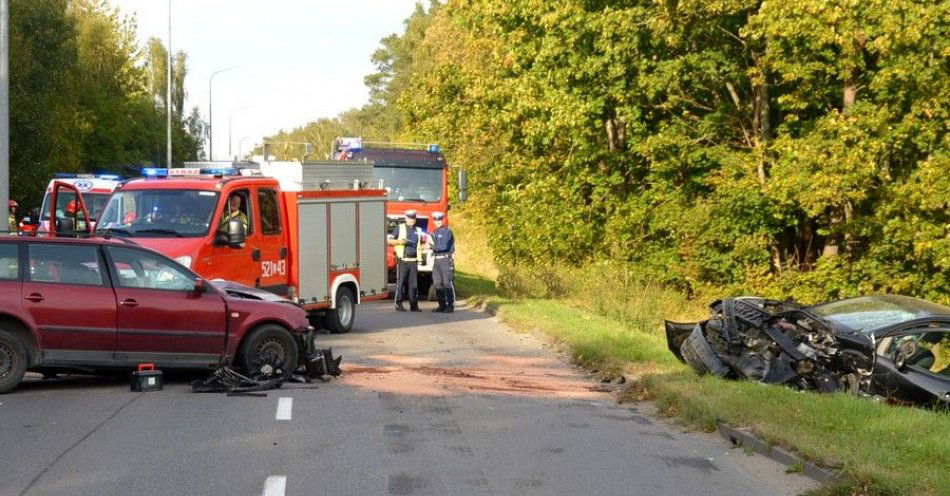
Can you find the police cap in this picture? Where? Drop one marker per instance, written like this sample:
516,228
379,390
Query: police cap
438,215
410,214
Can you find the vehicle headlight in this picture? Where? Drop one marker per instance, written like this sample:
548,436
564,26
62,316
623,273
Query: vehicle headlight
184,260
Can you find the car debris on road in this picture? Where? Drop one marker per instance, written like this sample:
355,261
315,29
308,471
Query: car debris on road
893,347
270,373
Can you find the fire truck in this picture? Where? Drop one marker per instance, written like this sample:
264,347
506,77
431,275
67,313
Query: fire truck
95,189
313,232
416,178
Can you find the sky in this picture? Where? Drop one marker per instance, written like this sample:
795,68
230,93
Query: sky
298,60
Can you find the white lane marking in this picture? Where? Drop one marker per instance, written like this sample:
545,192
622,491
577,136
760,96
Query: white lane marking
275,485
284,408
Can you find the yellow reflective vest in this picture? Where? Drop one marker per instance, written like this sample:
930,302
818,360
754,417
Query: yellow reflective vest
404,234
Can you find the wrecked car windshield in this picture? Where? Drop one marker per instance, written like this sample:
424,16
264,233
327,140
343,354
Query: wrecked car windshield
869,313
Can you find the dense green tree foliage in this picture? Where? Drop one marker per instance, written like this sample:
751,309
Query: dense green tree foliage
82,96
787,148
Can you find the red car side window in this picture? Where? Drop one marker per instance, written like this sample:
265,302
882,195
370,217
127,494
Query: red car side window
65,264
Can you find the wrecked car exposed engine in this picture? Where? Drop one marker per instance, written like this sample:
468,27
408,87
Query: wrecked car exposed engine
893,347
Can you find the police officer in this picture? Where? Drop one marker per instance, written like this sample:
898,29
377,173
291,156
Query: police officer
443,271
407,240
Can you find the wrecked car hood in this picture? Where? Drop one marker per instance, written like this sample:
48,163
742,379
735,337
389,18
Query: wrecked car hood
239,290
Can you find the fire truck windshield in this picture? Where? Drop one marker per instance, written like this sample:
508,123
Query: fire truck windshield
95,202
159,213
411,185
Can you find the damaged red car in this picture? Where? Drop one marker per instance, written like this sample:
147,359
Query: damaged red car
892,347
97,305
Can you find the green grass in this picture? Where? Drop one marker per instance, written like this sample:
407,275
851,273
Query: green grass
879,449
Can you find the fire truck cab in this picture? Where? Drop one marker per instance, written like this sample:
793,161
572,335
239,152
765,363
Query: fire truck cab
416,178
318,240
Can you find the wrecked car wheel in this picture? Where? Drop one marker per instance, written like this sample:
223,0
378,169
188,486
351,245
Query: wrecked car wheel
12,361
267,348
700,356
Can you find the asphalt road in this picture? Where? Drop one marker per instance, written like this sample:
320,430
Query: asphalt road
429,404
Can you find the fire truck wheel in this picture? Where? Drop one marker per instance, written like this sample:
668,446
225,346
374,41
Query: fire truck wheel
268,344
340,319
12,361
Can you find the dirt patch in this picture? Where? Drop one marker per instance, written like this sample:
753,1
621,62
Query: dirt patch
509,375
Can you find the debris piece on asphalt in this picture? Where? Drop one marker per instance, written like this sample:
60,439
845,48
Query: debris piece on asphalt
270,374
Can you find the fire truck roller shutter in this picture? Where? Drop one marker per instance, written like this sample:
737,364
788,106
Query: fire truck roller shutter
373,248
313,250
343,250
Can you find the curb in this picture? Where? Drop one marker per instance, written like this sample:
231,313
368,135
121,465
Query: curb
745,439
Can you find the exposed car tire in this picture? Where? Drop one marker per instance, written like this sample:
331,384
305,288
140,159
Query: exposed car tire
268,344
340,319
700,356
13,361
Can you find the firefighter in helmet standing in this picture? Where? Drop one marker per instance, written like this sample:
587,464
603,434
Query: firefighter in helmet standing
407,240
443,271
11,219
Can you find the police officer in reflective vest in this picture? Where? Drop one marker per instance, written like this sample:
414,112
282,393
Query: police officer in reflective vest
443,271
407,240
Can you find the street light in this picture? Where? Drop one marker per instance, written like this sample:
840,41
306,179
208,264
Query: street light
4,109
241,146
211,136
168,89
230,124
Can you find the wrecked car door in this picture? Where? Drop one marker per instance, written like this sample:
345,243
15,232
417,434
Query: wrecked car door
914,367
166,315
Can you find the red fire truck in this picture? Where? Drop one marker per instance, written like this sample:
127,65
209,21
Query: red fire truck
415,177
312,232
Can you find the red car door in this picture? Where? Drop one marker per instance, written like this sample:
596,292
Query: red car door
275,273
161,318
67,294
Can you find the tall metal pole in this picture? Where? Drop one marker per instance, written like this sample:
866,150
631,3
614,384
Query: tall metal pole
230,126
4,108
211,136
168,89
241,147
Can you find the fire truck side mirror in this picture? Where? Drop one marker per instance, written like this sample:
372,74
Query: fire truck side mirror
236,234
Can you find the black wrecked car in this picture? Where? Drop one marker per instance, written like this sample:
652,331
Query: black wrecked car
894,347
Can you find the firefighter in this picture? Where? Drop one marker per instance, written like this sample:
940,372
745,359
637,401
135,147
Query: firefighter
407,240
11,219
234,213
443,271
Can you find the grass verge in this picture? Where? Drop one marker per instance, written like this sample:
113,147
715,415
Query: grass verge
613,325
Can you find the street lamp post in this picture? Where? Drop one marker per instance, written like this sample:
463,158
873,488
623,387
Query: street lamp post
241,146
4,109
230,126
211,136
168,89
